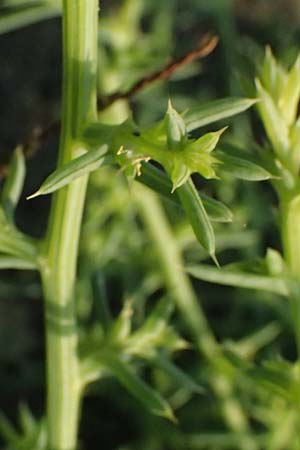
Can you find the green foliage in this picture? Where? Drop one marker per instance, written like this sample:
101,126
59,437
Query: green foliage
131,314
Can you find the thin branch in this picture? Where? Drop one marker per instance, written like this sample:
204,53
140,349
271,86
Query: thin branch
207,44
39,134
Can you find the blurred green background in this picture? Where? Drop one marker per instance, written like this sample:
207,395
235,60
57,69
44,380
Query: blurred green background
136,38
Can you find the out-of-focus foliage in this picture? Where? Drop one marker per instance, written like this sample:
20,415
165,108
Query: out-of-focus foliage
250,387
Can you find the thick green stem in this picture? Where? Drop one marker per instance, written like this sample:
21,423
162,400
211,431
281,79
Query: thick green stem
60,248
290,232
177,282
290,229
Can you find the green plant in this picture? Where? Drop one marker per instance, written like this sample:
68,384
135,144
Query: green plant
85,341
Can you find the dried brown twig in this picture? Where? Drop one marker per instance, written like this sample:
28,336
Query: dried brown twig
207,44
39,134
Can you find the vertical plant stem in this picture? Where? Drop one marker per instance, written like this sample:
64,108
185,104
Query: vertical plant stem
290,232
290,213
179,286
60,248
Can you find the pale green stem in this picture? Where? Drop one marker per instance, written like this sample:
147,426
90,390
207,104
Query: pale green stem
60,248
290,229
290,232
177,282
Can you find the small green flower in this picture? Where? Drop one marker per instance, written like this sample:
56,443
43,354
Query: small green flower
167,143
279,92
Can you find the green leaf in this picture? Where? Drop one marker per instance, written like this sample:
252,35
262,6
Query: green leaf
248,346
101,299
295,146
275,263
121,327
175,127
158,181
277,378
32,437
223,441
158,317
229,276
27,421
180,174
69,172
7,430
179,377
274,124
195,157
216,210
11,262
216,110
151,333
197,216
238,164
14,182
289,97
273,75
151,399
13,19
15,243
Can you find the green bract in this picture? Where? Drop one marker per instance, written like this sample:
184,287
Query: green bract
279,92
167,143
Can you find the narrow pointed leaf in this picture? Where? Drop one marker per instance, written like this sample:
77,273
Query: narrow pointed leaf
237,164
11,262
238,278
7,430
216,210
179,377
289,98
14,182
197,216
250,345
157,180
295,146
69,172
273,75
22,17
179,175
121,327
277,378
275,126
150,398
176,132
152,331
101,300
216,110
275,263
159,316
27,421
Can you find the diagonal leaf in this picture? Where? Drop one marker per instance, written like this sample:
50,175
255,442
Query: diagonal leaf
12,262
197,216
179,174
289,96
238,164
69,172
179,377
238,278
28,14
273,75
158,181
14,182
175,126
137,387
275,126
216,110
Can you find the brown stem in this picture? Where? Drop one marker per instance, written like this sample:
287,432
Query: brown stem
38,135
207,44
